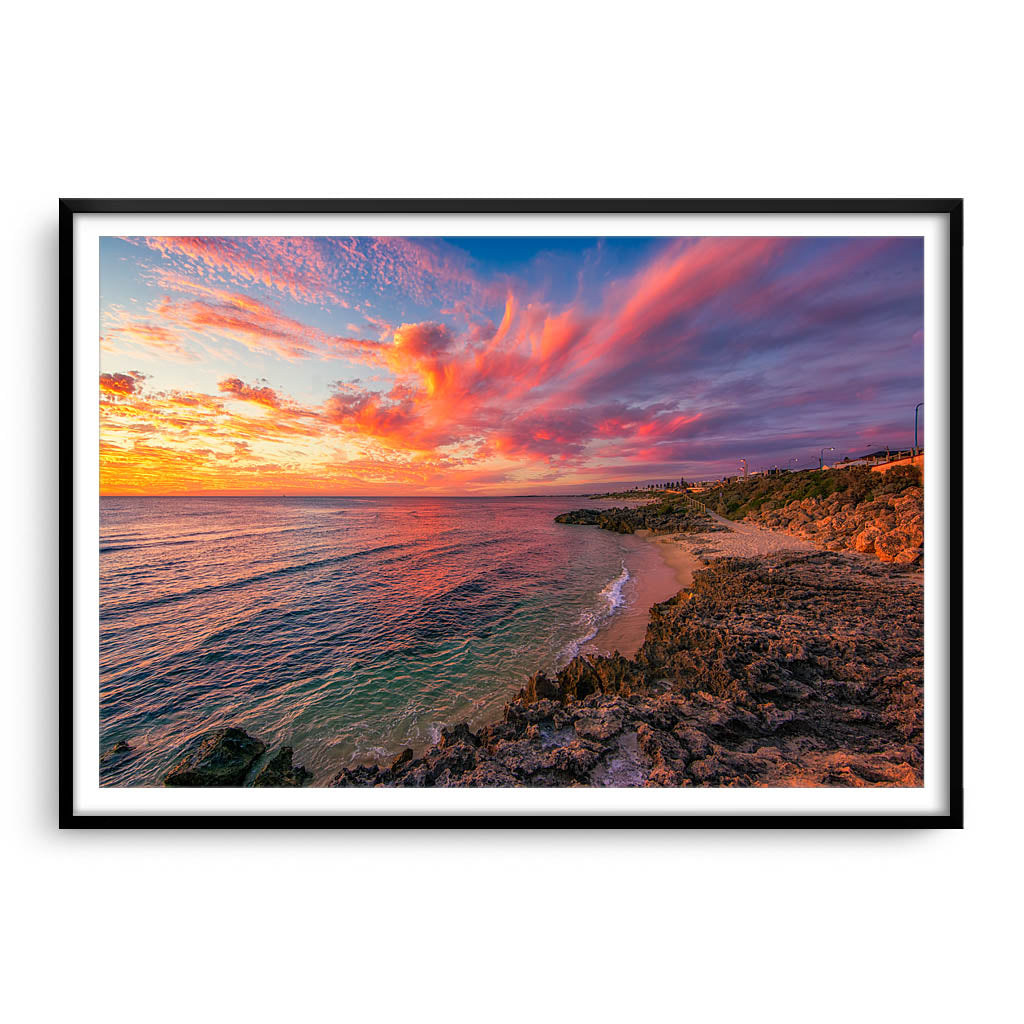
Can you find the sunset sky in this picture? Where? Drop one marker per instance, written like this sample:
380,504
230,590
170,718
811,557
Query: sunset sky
497,365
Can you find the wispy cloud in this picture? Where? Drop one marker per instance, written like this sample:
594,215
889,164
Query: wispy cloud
327,271
709,350
186,327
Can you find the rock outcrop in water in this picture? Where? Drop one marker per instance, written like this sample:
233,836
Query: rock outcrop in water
280,772
671,516
220,757
791,670
226,757
119,752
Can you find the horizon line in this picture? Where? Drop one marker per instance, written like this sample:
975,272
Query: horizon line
266,494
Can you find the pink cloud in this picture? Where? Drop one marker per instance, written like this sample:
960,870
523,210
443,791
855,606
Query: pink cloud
264,396
327,271
711,340
181,326
297,267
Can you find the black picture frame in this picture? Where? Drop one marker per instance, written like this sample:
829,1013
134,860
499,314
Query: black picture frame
950,208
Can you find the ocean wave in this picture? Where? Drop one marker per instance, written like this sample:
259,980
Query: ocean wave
574,646
104,548
612,598
613,593
356,640
286,570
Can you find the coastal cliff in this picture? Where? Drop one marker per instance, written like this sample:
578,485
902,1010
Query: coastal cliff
890,527
836,510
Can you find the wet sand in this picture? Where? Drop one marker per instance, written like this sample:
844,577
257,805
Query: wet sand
660,567
680,555
677,552
670,713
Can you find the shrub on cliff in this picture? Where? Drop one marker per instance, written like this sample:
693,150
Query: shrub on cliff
876,514
739,498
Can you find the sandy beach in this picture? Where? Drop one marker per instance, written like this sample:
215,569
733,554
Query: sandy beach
681,555
687,552
741,681
660,571
738,679
684,553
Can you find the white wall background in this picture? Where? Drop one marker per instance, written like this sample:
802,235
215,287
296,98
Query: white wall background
546,99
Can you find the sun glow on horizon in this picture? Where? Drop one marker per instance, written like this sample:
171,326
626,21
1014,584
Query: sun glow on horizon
387,366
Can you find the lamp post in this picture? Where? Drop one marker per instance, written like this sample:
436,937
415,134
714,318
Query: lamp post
916,408
744,461
821,457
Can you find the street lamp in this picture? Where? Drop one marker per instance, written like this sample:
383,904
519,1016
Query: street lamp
916,408
744,461
821,457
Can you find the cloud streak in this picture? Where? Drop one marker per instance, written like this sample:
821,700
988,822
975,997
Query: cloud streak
702,352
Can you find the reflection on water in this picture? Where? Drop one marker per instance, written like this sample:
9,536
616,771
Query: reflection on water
347,627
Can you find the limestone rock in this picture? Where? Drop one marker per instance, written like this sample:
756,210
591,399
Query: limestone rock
460,733
279,772
669,515
793,669
601,726
220,757
883,526
118,752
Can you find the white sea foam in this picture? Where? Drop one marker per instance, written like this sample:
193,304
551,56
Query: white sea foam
324,637
572,648
613,594
612,598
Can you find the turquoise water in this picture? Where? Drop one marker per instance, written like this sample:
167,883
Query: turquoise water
349,628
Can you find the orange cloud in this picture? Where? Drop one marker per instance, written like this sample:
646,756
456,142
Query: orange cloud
636,376
181,326
121,383
261,396
137,331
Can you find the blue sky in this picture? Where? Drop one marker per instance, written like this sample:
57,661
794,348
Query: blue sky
488,365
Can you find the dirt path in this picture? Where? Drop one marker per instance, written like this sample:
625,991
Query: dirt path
740,540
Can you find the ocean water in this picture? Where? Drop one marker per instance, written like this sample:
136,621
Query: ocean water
348,628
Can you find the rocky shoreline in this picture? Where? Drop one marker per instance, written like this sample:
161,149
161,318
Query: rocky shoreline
227,756
837,510
794,668
663,517
791,670
890,527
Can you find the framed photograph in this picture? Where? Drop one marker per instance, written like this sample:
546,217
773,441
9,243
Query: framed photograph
511,513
